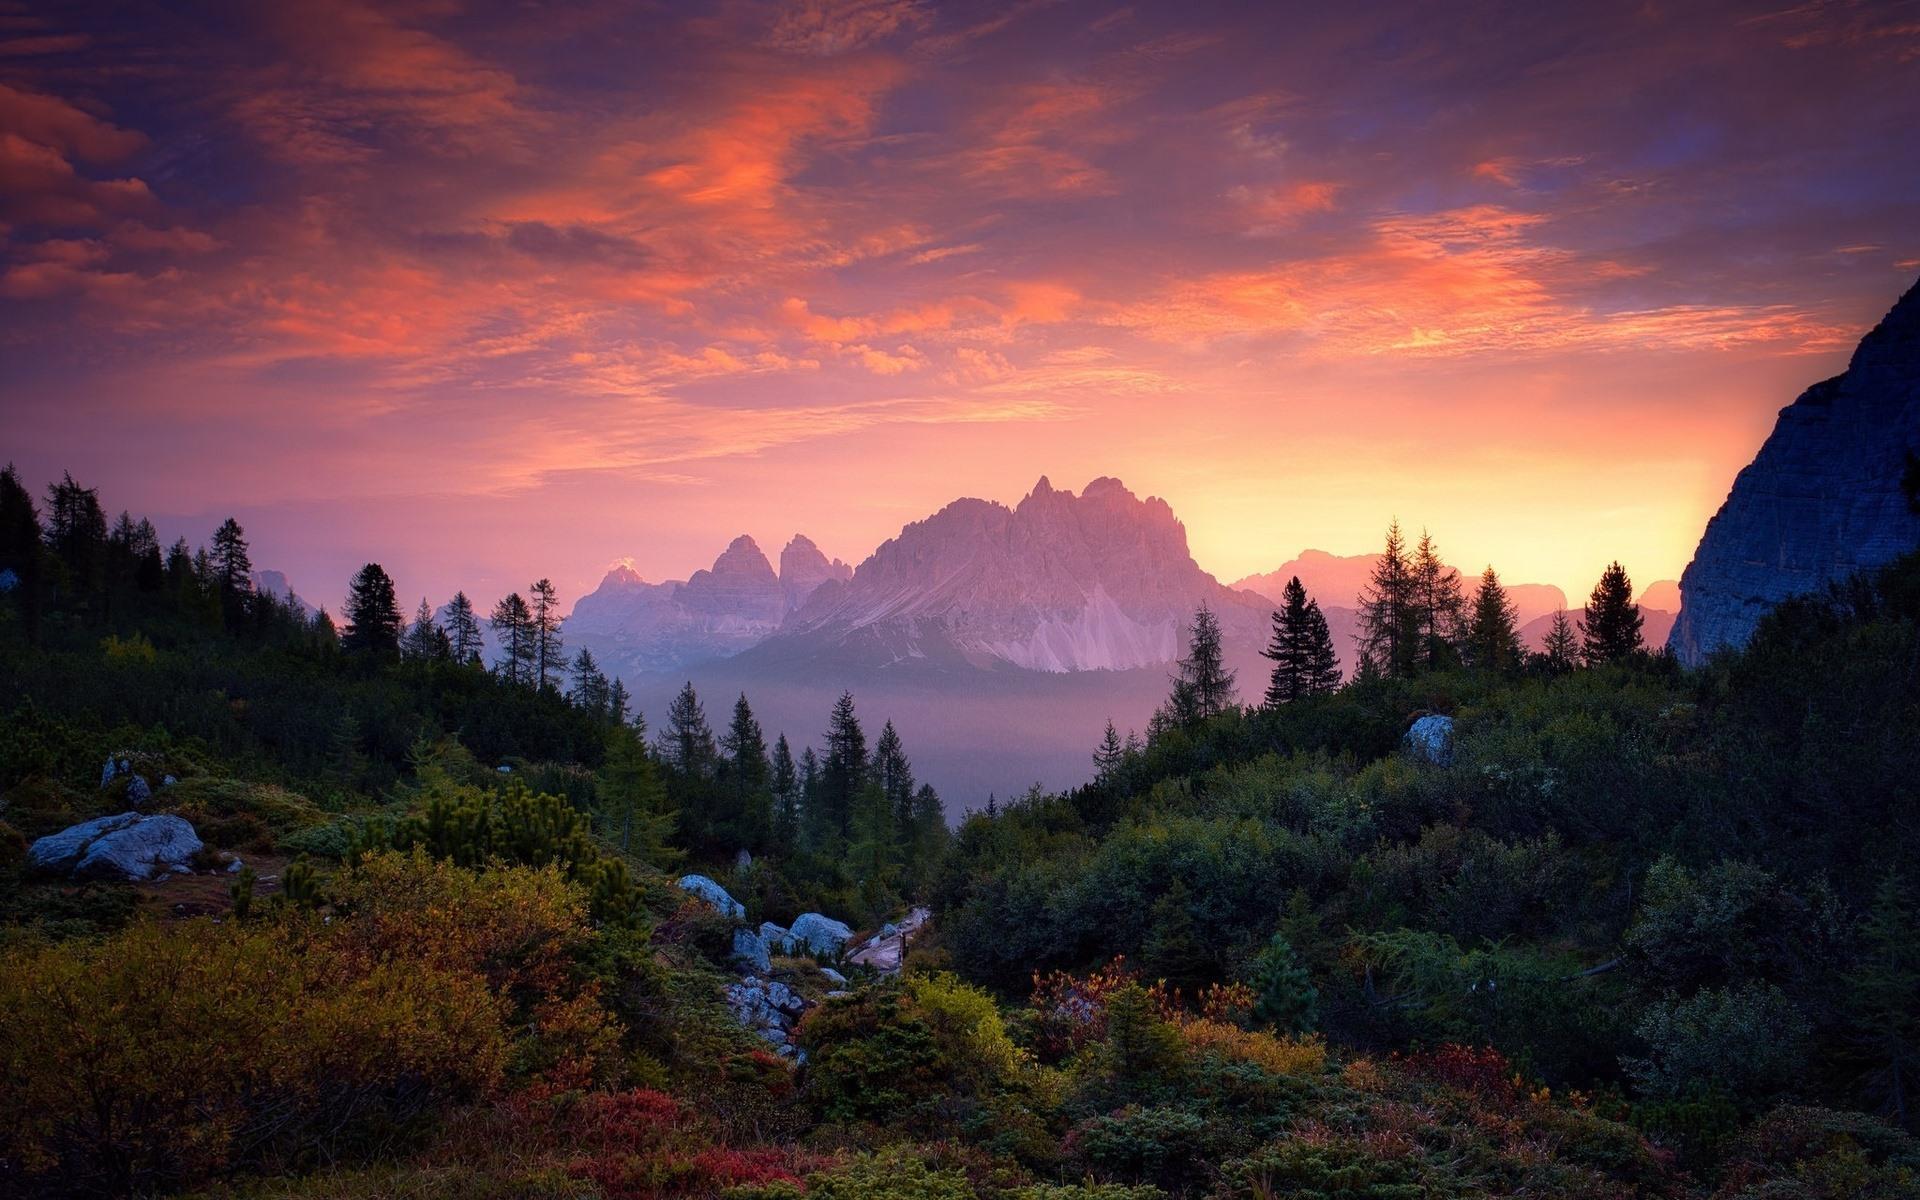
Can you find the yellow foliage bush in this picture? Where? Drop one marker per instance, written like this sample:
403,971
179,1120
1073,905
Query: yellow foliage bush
967,1026
170,1051
1279,1055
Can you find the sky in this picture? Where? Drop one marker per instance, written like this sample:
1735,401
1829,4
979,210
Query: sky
487,292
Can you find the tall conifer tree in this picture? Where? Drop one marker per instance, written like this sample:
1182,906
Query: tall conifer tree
1610,630
373,615
1492,643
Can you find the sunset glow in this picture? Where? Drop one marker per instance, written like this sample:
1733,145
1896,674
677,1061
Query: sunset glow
498,291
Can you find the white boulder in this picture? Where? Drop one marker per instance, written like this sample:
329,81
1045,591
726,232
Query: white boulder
126,846
1430,740
713,894
818,934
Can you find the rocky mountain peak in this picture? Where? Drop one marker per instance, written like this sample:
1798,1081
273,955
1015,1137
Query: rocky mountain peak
1823,499
803,568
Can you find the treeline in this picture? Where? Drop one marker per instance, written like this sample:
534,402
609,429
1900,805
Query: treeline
112,632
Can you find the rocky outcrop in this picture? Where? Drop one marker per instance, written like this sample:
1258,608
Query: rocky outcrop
886,951
1823,500
128,846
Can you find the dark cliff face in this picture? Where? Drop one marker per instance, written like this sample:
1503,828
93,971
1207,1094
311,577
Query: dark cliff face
1821,501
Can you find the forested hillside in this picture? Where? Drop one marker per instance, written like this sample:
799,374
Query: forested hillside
1474,922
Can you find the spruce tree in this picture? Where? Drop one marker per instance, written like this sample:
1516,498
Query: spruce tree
1284,995
1492,643
1389,622
463,630
1302,650
373,615
618,701
590,691
928,831
845,770
785,784
233,569
424,639
1111,754
1204,686
512,625
544,629
1174,949
895,773
76,535
748,786
1610,630
1323,665
639,815
1439,608
1561,651
813,820
687,741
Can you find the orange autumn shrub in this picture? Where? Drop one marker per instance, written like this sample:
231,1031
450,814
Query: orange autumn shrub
1278,1055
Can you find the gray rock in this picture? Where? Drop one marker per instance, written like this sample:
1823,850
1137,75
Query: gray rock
776,935
834,977
784,998
108,771
777,1036
817,934
1822,501
137,790
1431,740
147,849
62,851
751,949
126,846
169,781
713,894
236,866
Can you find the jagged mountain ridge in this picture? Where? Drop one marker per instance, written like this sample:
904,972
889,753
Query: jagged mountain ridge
1821,501
1339,579
635,626
1058,583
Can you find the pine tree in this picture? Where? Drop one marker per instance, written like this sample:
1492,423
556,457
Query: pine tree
463,630
1175,950
373,615
590,689
1883,1002
1323,665
747,778
1110,756
873,848
813,823
786,797
544,628
895,773
1304,663
1389,622
1439,609
512,624
845,770
1204,687
618,702
233,569
76,534
928,831
687,741
640,817
1492,643
1284,995
1561,651
1610,631
424,641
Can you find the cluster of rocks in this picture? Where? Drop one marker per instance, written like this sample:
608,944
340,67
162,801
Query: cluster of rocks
129,846
769,1007
139,791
